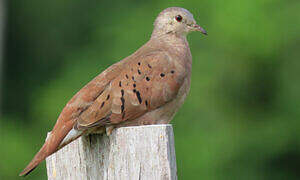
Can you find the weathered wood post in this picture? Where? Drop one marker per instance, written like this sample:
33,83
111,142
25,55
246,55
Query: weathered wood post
129,153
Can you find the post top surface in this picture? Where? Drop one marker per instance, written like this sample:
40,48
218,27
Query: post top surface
148,126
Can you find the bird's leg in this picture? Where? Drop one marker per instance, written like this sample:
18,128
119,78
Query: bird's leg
109,129
98,130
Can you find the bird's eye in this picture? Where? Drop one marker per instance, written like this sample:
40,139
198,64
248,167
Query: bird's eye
178,18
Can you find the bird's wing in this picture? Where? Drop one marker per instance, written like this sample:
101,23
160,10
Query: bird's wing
123,92
147,82
80,102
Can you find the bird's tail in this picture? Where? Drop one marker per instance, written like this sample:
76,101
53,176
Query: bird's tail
38,158
52,144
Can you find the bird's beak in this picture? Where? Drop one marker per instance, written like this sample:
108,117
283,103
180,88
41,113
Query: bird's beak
196,27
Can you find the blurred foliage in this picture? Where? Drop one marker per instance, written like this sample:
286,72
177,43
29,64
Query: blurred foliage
241,119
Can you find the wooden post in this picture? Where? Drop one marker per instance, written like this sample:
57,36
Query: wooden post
129,153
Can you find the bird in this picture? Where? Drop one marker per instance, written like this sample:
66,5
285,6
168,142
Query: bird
148,87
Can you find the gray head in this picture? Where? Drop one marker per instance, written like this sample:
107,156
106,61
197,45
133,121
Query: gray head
177,21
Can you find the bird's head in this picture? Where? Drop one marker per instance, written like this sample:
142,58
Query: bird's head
175,20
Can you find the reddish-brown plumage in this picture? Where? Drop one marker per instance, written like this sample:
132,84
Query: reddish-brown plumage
147,87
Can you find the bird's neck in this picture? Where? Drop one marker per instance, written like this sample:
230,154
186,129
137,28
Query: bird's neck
176,45
172,41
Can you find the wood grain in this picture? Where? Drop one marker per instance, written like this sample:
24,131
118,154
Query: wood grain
129,153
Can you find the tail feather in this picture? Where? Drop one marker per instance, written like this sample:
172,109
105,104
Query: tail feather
38,158
52,144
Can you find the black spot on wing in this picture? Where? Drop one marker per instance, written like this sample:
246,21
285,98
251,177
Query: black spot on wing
123,104
123,101
138,95
102,104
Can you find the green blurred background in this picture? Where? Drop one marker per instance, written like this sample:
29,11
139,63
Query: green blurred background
241,118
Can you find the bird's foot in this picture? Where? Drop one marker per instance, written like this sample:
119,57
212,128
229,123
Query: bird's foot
109,130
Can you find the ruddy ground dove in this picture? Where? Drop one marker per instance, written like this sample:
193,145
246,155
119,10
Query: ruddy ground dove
147,87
